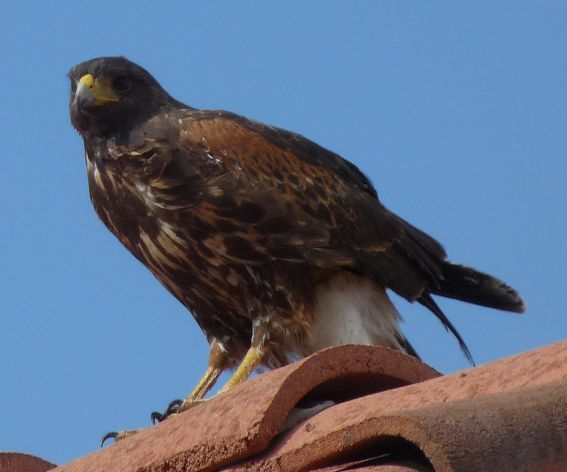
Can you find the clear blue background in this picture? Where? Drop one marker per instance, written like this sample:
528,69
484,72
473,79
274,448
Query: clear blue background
456,110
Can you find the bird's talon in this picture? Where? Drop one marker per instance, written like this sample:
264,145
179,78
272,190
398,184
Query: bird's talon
111,435
173,407
117,436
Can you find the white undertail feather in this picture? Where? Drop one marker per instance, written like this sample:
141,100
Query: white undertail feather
351,309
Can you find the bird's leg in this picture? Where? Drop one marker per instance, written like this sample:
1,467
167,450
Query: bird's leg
246,367
217,364
253,357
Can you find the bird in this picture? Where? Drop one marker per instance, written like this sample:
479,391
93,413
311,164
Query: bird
277,246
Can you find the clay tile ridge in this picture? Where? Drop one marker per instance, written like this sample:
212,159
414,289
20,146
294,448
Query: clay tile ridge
390,413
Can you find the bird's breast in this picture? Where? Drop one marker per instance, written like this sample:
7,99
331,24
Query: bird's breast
167,235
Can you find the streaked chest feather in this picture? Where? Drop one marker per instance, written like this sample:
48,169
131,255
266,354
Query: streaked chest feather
177,240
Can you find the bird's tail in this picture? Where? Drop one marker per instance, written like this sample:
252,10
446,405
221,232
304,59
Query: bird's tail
469,285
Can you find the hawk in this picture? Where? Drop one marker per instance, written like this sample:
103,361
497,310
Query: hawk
276,245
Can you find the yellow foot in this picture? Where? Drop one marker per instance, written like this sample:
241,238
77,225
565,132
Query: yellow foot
189,403
251,360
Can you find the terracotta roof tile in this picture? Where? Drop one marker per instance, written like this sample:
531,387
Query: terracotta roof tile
382,463
243,421
509,415
18,462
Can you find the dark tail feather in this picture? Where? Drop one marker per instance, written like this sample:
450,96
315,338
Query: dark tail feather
430,304
406,345
469,285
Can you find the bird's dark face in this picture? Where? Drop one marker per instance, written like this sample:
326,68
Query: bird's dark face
111,95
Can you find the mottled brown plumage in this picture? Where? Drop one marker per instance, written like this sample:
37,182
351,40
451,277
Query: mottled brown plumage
247,224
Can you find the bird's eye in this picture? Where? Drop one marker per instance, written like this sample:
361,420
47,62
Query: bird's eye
121,84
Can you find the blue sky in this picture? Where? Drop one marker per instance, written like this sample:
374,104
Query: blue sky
455,110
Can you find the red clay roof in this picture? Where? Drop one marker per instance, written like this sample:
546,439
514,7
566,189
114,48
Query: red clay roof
509,415
18,462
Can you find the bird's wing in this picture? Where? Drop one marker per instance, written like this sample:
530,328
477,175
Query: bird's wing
259,194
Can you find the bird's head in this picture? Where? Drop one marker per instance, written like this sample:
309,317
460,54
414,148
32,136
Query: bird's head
111,95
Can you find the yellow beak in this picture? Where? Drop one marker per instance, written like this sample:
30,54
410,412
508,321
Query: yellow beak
94,91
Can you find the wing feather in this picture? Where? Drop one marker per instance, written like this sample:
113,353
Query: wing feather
293,200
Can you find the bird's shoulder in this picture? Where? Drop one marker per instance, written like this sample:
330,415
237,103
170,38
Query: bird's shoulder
271,153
